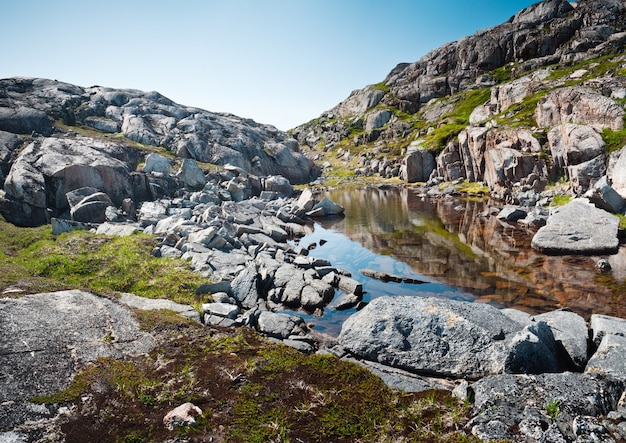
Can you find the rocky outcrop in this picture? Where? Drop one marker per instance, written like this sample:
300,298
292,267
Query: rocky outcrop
59,161
47,338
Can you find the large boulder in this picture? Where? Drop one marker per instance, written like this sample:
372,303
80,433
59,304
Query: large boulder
417,166
578,228
447,338
616,171
25,121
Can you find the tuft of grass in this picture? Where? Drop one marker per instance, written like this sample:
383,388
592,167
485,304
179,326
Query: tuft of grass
614,140
560,200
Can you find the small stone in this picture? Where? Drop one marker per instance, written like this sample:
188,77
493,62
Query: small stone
182,416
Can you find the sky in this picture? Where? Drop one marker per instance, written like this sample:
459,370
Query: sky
279,62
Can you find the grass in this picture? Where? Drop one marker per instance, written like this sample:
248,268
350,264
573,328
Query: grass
33,260
615,140
561,199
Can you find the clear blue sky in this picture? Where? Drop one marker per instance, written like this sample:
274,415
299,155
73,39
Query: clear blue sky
281,62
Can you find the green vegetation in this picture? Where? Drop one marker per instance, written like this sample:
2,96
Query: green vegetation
614,140
552,408
34,260
560,200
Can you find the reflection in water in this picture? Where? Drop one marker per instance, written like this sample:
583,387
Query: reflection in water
461,251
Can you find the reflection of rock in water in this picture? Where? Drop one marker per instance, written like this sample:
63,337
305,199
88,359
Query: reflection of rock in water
459,244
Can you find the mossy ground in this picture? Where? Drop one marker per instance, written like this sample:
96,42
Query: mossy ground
249,391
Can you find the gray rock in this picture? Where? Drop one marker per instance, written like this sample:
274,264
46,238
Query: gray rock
245,287
103,124
190,174
157,163
605,197
578,228
434,336
609,358
532,350
572,144
518,316
602,325
118,229
306,201
579,105
377,119
147,304
221,309
417,166
511,214
153,211
570,331
350,286
616,171
277,325
24,120
92,208
46,171
278,184
182,416
60,225
72,329
517,401
326,207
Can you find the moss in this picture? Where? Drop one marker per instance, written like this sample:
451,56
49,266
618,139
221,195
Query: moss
560,200
615,140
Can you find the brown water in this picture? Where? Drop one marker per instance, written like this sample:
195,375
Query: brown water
462,254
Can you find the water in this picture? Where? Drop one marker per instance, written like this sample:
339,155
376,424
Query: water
460,252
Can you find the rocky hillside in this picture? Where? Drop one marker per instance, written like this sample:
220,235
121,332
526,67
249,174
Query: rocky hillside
524,104
57,137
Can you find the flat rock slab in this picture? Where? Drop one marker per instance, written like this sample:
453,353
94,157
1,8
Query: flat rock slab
578,228
46,338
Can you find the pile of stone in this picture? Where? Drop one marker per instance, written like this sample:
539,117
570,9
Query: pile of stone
241,233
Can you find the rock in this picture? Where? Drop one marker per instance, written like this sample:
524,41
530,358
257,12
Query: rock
377,119
350,286
417,166
326,207
118,229
306,201
278,184
46,171
602,325
380,275
151,212
603,196
226,310
59,226
589,429
72,329
347,300
579,105
573,144
511,214
603,266
24,120
578,228
277,325
147,304
245,286
609,358
91,209
190,174
157,163
182,416
446,338
511,402
103,124
616,171
570,332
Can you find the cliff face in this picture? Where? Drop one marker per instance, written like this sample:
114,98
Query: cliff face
495,80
